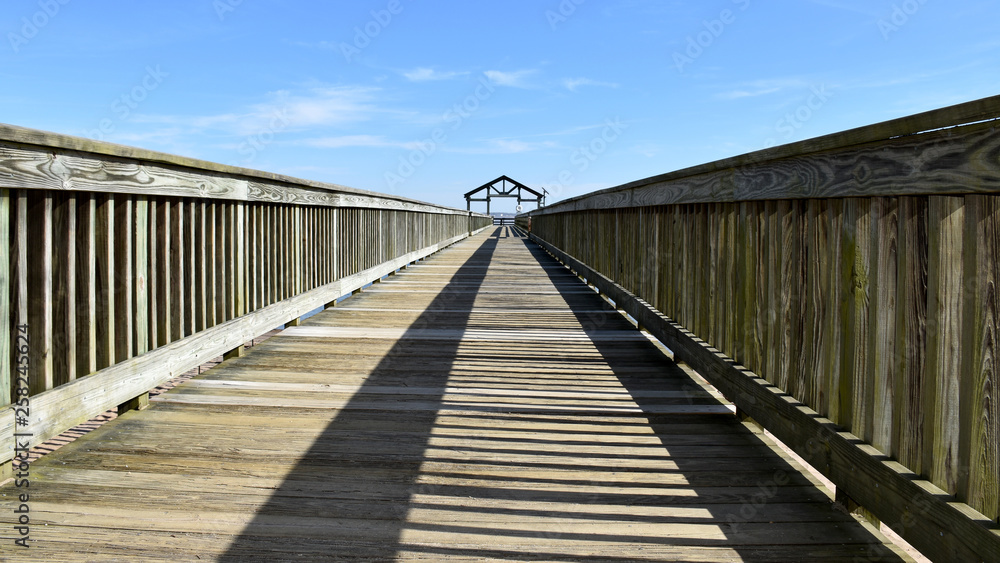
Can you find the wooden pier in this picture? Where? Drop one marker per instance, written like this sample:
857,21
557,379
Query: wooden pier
482,404
600,381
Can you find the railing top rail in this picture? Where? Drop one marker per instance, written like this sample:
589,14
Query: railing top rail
777,173
188,177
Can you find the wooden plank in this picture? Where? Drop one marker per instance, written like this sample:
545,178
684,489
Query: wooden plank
240,266
837,274
191,252
855,392
874,160
945,298
200,266
7,318
178,266
124,280
911,343
39,160
220,267
86,290
40,290
64,289
105,260
212,268
141,237
164,273
980,385
882,320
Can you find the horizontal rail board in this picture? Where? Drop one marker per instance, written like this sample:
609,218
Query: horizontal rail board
41,160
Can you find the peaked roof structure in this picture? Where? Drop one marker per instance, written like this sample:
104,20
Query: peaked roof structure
504,186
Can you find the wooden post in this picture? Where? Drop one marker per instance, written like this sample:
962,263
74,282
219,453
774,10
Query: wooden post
6,318
135,404
237,352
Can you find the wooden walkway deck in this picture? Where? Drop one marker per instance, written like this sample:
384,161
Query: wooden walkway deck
483,404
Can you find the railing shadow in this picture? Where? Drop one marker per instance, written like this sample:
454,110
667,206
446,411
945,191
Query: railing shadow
752,499
337,482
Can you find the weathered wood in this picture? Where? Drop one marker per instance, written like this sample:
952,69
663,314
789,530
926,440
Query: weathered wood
64,273
945,299
105,261
869,161
911,321
66,406
178,298
142,234
124,278
883,361
46,161
7,213
980,385
134,404
164,273
413,449
86,289
920,512
39,249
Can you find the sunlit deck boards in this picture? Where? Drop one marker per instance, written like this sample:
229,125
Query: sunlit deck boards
477,405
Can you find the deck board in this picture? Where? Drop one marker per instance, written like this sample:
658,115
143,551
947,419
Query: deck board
482,404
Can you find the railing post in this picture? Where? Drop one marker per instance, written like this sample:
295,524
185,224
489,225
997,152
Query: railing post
237,352
134,404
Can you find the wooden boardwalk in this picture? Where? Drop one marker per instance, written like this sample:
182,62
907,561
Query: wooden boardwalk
483,404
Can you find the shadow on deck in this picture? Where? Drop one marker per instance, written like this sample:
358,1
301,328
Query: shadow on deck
485,404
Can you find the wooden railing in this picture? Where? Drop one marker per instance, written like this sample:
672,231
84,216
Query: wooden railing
841,291
122,268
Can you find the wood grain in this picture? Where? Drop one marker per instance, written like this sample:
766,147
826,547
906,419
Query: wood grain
7,213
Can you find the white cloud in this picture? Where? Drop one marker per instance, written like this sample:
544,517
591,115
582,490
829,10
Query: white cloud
424,74
763,88
513,79
506,146
345,141
284,109
572,84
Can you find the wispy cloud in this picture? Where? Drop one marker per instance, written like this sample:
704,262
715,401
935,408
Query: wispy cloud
572,84
762,88
516,79
506,146
314,107
347,141
424,74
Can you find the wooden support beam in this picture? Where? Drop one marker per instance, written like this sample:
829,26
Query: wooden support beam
237,352
135,404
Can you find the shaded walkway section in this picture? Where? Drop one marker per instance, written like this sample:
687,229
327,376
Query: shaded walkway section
483,404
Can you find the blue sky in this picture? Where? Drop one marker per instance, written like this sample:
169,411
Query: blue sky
431,99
